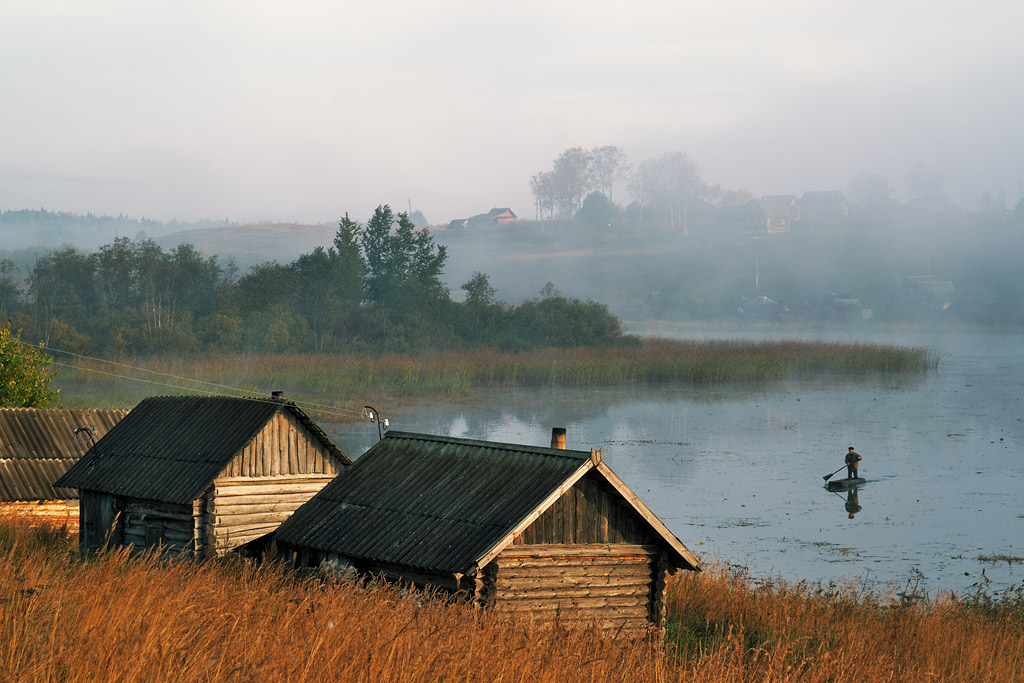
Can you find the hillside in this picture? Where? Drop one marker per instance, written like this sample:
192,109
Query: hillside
251,244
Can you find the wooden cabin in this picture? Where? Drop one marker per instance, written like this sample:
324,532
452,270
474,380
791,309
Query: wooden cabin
200,476
523,529
37,446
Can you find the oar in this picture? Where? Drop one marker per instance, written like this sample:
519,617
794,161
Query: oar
829,476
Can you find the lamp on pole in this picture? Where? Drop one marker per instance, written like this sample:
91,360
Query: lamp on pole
373,415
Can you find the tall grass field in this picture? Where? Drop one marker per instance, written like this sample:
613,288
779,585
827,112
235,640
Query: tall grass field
358,379
114,618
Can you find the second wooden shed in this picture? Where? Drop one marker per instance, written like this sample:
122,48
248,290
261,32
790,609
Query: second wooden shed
523,529
200,476
37,446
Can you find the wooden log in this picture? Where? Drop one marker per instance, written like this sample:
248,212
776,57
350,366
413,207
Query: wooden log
596,571
242,504
255,518
640,592
276,487
559,550
233,530
625,607
575,580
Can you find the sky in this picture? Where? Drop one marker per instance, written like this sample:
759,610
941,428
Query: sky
303,111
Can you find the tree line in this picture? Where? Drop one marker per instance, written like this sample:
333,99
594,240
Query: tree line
376,287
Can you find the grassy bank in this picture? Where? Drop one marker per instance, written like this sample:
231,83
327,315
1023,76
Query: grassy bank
366,378
117,619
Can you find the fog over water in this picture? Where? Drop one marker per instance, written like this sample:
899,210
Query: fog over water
736,472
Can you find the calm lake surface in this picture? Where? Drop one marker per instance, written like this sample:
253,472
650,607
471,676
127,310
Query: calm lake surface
737,472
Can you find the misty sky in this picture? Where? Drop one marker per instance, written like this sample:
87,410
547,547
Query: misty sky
305,110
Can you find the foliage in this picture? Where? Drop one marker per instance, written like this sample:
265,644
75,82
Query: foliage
25,373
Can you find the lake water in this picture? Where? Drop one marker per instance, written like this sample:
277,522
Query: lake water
737,472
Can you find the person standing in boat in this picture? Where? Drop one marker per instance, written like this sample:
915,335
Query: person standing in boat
852,458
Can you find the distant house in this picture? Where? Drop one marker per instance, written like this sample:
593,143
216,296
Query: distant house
37,446
200,476
930,293
786,202
760,217
492,218
826,206
762,308
523,529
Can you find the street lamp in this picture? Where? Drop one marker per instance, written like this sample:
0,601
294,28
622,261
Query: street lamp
373,415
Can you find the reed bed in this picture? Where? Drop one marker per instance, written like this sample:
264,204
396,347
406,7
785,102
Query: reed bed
341,378
116,618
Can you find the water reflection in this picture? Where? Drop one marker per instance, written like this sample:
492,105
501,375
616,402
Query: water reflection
852,503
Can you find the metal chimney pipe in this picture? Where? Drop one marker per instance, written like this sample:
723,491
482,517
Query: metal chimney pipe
558,438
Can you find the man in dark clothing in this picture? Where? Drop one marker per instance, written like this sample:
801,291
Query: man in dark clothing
852,458
852,502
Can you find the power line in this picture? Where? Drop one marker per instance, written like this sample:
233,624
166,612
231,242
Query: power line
217,389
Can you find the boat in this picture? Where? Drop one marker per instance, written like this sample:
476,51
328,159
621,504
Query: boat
846,483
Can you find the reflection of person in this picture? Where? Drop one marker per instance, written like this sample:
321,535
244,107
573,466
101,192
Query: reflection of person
852,503
852,458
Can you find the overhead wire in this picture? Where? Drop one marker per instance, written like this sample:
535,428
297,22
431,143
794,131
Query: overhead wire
326,409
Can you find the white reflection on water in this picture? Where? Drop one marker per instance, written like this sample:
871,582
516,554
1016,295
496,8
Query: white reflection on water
736,472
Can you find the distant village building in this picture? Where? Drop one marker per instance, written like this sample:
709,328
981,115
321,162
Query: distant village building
929,292
762,217
200,476
37,446
523,529
826,206
492,218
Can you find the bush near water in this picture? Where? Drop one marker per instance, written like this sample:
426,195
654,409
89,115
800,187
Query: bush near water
116,618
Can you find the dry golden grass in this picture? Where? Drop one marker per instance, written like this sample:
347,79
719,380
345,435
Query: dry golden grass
115,618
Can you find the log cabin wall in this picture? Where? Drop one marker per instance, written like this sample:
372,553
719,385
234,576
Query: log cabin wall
279,470
52,512
610,585
148,524
238,510
588,557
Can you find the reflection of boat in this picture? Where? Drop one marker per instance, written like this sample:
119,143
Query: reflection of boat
846,483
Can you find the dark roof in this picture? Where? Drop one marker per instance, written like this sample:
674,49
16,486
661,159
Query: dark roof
440,503
38,445
171,448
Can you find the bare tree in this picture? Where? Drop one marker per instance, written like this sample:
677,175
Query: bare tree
543,188
608,167
672,181
571,179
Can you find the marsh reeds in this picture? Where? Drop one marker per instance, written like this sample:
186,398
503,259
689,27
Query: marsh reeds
343,378
119,618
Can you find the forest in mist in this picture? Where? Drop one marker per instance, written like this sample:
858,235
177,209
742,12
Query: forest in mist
682,251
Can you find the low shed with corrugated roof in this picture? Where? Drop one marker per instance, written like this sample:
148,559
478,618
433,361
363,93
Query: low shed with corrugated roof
199,475
523,529
37,446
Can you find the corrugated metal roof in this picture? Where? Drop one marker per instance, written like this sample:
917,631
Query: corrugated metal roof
38,445
429,502
170,448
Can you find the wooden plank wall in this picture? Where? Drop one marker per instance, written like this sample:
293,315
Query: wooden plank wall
148,523
100,521
51,512
283,447
239,510
590,512
611,585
